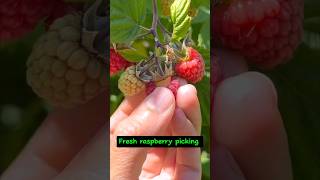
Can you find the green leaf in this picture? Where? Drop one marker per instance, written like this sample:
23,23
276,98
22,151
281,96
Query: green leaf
197,3
203,15
204,36
135,53
180,19
126,19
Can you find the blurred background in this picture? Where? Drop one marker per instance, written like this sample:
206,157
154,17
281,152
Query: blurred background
21,111
298,86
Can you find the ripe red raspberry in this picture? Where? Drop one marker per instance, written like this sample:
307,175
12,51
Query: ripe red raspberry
192,67
150,87
117,62
265,31
174,86
19,17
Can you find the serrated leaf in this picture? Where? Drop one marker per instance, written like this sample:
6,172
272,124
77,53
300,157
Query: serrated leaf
126,19
180,19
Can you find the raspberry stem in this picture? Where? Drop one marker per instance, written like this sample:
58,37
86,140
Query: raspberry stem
153,30
153,68
155,20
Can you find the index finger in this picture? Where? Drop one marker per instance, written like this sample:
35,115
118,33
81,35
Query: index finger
125,109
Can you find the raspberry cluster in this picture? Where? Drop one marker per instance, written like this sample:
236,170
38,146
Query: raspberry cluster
191,68
265,32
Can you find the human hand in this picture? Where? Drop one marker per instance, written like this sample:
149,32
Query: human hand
70,144
155,115
250,139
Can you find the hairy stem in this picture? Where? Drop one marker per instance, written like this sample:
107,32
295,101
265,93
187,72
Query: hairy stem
155,19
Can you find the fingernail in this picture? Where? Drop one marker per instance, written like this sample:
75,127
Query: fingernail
160,99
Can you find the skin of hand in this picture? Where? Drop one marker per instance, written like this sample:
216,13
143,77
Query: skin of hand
157,114
70,144
249,136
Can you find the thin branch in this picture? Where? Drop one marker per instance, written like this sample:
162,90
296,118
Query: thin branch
155,19
155,14
144,35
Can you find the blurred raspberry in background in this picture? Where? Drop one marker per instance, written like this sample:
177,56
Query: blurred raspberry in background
20,17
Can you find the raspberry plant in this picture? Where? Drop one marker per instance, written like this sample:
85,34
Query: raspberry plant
160,40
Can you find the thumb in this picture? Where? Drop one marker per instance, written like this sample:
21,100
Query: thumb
151,118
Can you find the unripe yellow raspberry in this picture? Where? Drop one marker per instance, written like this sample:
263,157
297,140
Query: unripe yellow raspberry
129,84
60,70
